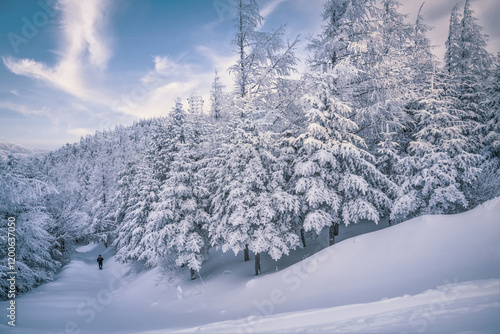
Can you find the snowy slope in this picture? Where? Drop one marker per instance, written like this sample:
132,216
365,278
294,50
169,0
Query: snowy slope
16,150
462,307
430,274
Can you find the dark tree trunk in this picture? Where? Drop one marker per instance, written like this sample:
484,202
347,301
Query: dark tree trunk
191,270
103,187
331,234
246,253
257,264
303,237
336,228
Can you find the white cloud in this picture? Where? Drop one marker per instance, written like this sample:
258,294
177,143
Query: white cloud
220,62
166,69
270,7
84,50
83,24
157,90
66,76
79,132
162,64
22,109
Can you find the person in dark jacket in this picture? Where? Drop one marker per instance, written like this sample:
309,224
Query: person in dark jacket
99,260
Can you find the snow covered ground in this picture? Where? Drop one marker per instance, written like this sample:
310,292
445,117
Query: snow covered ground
452,308
430,274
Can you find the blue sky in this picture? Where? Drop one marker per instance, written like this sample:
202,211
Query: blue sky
70,67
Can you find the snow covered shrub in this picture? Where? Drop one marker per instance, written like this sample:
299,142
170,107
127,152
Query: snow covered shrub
20,196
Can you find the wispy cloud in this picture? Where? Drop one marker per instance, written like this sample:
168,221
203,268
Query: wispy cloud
66,76
83,26
22,109
171,78
157,90
166,68
84,49
270,7
79,132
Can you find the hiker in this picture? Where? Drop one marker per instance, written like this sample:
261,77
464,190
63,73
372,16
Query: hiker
99,260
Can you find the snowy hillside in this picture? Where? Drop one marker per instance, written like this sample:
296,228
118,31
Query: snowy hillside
429,274
7,149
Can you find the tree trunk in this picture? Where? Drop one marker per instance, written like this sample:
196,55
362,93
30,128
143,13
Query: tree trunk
257,264
241,44
191,270
303,237
331,235
103,186
336,228
246,253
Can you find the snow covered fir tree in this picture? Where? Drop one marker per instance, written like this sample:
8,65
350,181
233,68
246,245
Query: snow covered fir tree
370,126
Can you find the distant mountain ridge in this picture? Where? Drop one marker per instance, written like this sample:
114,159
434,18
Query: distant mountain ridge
16,150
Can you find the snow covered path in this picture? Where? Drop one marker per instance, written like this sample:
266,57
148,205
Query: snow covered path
75,301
